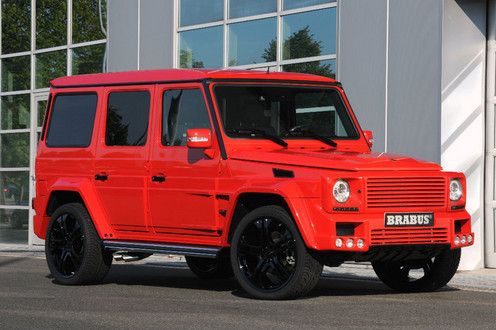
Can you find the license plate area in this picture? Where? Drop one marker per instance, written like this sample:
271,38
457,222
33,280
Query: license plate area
419,219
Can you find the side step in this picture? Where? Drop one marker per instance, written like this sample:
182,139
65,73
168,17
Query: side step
151,247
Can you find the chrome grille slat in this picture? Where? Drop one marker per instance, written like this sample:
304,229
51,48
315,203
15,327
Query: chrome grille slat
409,236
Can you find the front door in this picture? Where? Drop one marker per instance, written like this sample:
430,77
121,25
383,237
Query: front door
121,164
183,180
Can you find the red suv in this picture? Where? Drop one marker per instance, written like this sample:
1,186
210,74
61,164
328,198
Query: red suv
264,176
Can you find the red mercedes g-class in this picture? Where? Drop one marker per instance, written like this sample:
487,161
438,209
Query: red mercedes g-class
264,176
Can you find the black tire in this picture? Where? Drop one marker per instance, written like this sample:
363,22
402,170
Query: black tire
73,249
270,259
208,268
434,272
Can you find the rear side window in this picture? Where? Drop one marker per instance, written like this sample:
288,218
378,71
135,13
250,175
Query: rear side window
127,118
71,121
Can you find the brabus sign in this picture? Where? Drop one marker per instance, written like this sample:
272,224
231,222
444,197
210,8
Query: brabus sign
409,219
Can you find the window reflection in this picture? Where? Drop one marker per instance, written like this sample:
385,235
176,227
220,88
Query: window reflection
15,111
242,8
293,4
14,188
251,42
197,12
326,68
51,23
14,150
49,66
201,48
89,59
16,73
16,26
88,20
309,34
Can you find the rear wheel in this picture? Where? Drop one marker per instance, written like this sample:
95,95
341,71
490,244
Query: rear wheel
419,275
73,249
269,258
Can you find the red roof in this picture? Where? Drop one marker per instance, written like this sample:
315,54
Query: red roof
151,76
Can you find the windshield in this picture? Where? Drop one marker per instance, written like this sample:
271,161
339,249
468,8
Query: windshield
283,111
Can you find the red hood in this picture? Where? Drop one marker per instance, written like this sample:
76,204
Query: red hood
347,161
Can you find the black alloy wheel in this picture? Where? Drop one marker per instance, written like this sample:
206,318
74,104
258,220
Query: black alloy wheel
419,275
269,257
73,249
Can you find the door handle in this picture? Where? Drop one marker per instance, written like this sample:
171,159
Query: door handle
158,178
101,177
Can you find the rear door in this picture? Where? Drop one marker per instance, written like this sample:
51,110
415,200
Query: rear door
121,165
183,180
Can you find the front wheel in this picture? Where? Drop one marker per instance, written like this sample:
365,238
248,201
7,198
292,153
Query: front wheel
73,249
419,275
269,258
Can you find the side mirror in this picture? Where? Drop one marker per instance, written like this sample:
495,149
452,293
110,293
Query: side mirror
199,138
369,137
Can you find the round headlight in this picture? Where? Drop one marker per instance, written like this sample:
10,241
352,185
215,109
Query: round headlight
456,190
341,191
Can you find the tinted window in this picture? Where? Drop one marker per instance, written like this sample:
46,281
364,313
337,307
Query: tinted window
71,121
127,118
182,109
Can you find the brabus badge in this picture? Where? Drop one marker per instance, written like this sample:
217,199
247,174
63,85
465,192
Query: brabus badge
409,219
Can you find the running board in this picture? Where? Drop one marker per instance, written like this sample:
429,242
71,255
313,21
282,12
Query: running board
186,250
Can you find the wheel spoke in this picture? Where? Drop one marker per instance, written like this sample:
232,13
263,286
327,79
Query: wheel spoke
246,248
280,271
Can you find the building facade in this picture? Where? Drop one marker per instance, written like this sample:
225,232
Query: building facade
420,74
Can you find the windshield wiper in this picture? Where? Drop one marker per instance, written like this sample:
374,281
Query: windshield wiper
303,131
254,131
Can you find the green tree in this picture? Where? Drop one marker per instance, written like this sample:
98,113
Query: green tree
300,44
187,60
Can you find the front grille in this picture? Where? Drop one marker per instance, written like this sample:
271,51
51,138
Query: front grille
406,192
409,236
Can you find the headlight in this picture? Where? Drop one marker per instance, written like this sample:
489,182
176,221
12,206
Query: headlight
341,191
456,190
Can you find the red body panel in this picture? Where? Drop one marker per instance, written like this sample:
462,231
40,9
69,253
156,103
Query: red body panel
196,201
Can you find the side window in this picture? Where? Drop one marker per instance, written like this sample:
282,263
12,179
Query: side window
182,109
71,121
127,118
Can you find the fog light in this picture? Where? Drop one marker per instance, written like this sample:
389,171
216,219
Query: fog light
339,242
360,243
349,243
457,240
464,239
470,238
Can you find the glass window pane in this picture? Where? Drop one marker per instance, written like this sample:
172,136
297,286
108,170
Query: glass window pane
89,59
71,121
16,26
41,105
15,112
14,150
252,42
325,68
127,118
182,109
201,48
49,66
293,4
87,24
242,8
16,73
14,188
14,226
309,34
51,23
198,12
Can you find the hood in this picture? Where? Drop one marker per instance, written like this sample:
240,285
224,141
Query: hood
345,161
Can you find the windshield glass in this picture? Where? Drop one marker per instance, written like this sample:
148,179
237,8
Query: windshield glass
284,111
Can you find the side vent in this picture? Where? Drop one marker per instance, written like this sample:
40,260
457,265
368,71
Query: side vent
278,173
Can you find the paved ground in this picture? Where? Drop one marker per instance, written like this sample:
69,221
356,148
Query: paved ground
481,279
164,294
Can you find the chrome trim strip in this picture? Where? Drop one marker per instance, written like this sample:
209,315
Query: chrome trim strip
186,250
